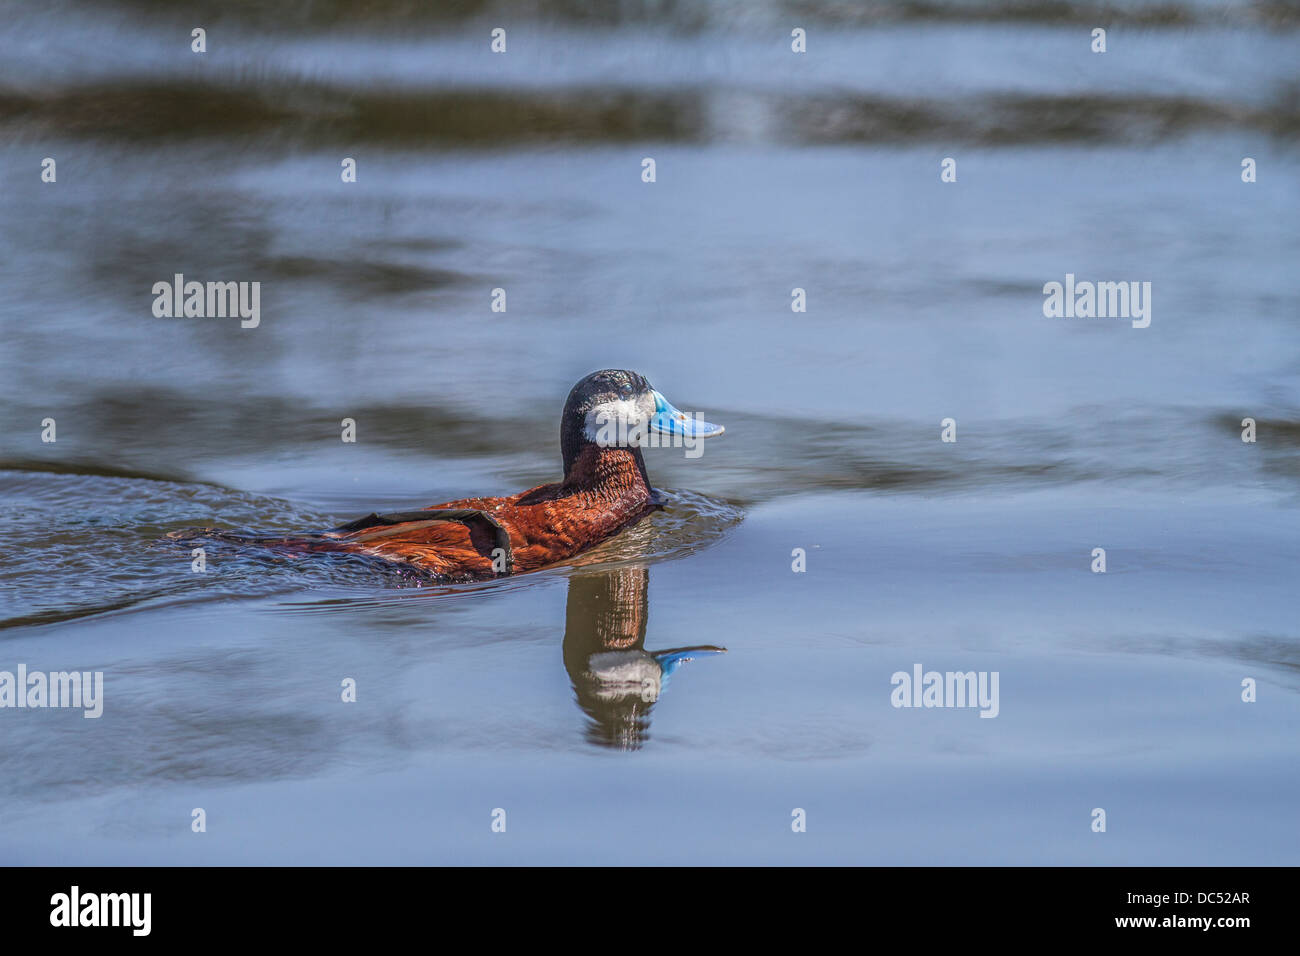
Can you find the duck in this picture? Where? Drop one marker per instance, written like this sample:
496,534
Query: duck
608,417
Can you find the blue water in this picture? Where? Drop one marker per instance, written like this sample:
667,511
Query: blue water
1120,691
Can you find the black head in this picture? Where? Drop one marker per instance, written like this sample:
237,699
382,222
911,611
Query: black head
613,408
610,408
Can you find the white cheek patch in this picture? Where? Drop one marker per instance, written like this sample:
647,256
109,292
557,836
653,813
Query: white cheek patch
616,424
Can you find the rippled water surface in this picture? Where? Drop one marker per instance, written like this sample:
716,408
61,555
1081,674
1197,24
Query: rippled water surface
681,680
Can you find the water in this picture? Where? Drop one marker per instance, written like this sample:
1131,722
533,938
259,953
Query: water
555,695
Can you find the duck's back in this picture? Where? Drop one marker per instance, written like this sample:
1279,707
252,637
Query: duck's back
546,524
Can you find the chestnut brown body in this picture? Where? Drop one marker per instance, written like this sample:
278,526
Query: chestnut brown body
606,490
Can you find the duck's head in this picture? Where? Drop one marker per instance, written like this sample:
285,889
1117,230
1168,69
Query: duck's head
614,408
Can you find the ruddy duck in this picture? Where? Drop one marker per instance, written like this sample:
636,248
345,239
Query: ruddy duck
608,416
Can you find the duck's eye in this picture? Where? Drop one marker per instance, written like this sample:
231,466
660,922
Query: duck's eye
625,391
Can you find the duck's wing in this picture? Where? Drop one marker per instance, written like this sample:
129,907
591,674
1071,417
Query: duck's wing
453,542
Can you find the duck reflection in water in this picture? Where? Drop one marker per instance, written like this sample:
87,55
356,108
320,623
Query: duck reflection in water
616,680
